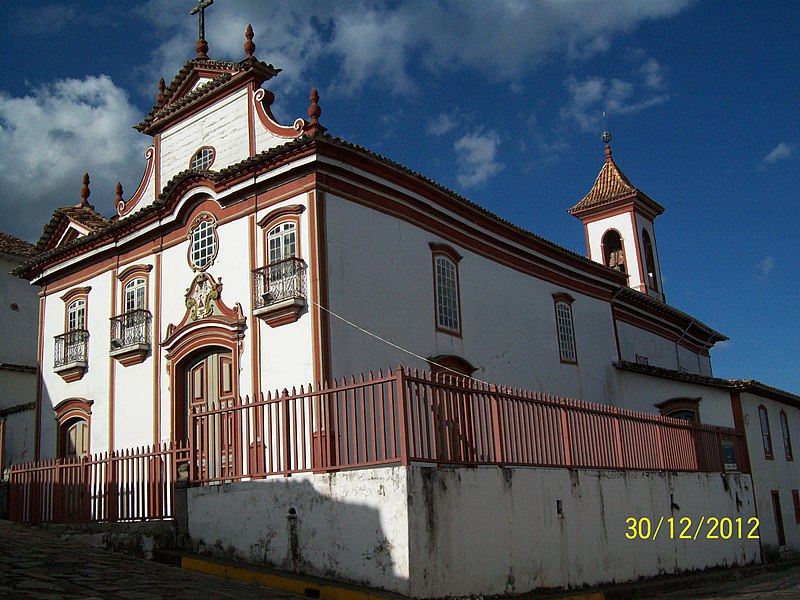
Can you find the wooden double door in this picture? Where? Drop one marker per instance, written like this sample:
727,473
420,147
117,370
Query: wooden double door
211,417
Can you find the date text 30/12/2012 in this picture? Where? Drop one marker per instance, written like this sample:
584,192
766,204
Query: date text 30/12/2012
710,528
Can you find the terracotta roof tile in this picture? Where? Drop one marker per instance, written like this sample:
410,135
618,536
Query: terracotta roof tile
743,385
169,104
84,215
611,184
10,244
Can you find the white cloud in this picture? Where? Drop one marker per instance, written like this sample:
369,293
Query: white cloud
375,41
590,97
51,136
766,266
653,75
440,124
476,154
782,151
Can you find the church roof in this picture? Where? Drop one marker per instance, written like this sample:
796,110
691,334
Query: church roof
84,215
740,385
179,94
14,246
611,185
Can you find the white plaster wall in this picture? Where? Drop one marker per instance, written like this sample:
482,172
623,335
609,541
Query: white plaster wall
18,328
777,474
286,356
643,392
350,526
380,275
20,436
94,384
222,125
133,404
660,352
497,531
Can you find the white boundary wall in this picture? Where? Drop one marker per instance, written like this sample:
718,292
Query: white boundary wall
432,532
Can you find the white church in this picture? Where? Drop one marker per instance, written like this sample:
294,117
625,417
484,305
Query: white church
257,256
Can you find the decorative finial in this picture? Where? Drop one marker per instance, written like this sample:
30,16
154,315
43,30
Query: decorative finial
201,47
85,193
314,111
249,46
118,199
161,87
606,137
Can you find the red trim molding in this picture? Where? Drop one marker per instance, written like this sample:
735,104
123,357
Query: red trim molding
75,292
281,212
124,208
262,100
134,270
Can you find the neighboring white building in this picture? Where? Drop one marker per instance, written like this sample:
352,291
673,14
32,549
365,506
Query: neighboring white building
253,256
19,314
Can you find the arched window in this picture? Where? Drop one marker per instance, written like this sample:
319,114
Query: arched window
681,408
766,439
202,242
613,255
203,158
565,328
446,291
787,441
135,294
282,244
76,315
649,260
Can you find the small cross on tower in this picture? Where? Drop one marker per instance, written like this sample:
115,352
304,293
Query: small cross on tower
201,7
201,46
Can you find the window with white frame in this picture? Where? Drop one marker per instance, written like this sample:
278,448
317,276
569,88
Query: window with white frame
282,241
447,316
76,315
282,244
565,328
135,294
203,158
203,242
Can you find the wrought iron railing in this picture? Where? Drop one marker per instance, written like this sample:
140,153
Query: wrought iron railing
281,280
71,347
130,329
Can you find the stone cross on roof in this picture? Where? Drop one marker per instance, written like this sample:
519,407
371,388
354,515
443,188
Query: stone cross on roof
202,5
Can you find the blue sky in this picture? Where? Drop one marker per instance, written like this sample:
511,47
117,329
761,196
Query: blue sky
499,100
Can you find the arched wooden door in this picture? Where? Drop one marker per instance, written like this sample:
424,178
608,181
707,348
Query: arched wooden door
210,390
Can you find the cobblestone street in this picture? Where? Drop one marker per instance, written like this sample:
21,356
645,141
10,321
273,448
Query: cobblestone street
35,564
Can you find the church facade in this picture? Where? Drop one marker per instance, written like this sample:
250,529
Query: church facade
256,256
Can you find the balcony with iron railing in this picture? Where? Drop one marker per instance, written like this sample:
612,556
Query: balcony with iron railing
130,336
279,291
70,354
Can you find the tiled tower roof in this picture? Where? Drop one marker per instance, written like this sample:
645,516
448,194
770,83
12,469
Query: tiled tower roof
611,184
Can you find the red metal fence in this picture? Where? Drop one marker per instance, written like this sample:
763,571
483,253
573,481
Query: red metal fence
403,417
130,485
395,418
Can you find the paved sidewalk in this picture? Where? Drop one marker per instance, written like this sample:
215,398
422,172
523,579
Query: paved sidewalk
36,565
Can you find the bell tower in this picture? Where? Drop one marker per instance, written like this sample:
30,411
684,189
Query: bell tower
619,222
